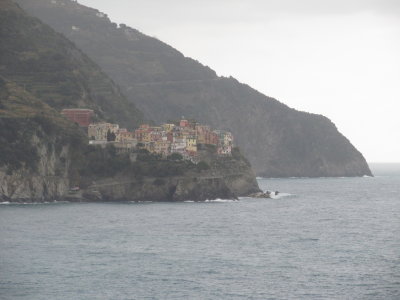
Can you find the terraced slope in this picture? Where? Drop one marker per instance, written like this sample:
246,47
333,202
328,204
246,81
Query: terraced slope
53,69
279,141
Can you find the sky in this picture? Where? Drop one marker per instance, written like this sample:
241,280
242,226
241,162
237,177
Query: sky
338,58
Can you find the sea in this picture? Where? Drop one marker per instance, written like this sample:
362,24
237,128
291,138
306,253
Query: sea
324,238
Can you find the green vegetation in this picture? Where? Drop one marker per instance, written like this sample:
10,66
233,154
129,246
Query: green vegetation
16,149
111,136
102,162
22,116
106,162
175,157
51,68
202,166
159,182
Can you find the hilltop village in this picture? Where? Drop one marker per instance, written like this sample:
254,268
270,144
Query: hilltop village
182,137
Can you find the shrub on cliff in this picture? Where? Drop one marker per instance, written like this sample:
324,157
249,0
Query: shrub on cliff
16,149
175,156
159,182
100,162
202,166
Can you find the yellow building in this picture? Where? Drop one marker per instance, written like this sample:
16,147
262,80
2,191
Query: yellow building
162,147
191,144
168,127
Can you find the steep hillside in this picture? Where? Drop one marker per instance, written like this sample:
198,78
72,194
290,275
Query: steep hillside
40,151
43,155
165,85
50,67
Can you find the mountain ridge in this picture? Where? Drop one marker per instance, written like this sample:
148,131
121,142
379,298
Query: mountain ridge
165,85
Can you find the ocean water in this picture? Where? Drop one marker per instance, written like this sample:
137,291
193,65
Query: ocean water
319,239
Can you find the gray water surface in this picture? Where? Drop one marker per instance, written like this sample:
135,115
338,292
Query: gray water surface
322,239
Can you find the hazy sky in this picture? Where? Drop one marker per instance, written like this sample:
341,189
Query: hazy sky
339,58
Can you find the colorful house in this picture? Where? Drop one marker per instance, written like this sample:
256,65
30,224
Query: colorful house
191,145
225,142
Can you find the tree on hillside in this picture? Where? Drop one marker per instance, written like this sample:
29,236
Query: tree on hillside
111,136
175,156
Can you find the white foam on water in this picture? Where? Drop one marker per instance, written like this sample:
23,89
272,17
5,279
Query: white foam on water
280,195
222,200
272,196
33,203
243,198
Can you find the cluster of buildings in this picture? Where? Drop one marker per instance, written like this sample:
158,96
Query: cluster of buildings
183,138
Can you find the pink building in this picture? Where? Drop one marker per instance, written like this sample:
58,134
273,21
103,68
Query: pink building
184,123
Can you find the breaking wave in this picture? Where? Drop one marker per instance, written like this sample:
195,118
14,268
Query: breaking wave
281,195
212,201
222,200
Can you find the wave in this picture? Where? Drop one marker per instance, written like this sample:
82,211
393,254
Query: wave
321,177
212,201
33,203
24,203
281,195
222,200
272,196
189,201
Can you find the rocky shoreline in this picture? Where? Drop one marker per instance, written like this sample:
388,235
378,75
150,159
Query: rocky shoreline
176,189
226,177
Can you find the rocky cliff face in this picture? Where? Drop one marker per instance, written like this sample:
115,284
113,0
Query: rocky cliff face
53,173
172,189
48,182
51,181
279,141
225,177
37,148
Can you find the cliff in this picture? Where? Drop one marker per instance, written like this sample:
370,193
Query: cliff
279,141
43,155
151,178
38,148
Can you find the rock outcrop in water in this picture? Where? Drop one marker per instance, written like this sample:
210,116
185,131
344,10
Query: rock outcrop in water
279,141
225,177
